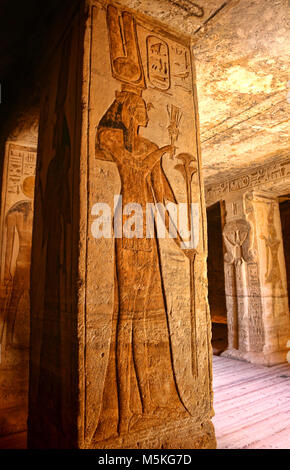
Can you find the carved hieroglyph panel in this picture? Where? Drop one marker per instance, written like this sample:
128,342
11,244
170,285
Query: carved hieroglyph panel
158,63
15,243
147,347
263,177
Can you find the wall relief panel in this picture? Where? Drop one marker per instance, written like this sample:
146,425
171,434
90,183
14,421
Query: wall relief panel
16,235
15,251
144,362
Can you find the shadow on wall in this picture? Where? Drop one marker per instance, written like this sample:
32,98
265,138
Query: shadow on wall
216,280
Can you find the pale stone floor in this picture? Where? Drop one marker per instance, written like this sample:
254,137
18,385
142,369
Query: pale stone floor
252,405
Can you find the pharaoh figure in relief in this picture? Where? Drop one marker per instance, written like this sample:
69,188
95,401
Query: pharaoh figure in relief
18,223
140,385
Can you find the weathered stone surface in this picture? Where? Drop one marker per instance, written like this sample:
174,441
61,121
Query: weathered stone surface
186,16
120,327
242,64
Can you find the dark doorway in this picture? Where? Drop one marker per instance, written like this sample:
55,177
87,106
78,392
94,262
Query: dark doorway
216,280
285,222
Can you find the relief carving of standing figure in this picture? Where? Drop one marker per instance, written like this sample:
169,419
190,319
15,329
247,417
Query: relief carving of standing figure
18,221
140,380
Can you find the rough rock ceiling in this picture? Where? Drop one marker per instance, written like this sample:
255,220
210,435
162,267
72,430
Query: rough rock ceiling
242,63
242,59
188,16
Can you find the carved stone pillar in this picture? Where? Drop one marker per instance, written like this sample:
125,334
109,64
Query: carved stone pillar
255,275
121,354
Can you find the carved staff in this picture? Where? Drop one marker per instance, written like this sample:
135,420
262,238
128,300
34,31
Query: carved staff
188,169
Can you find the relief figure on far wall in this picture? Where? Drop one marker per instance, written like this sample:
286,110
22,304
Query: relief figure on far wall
18,222
273,273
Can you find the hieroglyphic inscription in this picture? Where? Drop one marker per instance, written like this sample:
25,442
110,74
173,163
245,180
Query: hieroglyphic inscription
256,328
253,179
21,163
181,68
158,63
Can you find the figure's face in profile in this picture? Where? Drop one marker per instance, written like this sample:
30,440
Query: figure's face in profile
140,114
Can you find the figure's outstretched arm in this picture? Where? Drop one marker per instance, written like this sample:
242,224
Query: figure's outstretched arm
155,156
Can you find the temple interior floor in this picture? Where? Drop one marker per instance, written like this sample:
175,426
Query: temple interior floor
251,405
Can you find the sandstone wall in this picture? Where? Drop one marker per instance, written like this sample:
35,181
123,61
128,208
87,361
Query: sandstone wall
121,353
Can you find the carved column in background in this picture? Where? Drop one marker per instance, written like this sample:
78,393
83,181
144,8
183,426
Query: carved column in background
121,353
15,249
256,287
